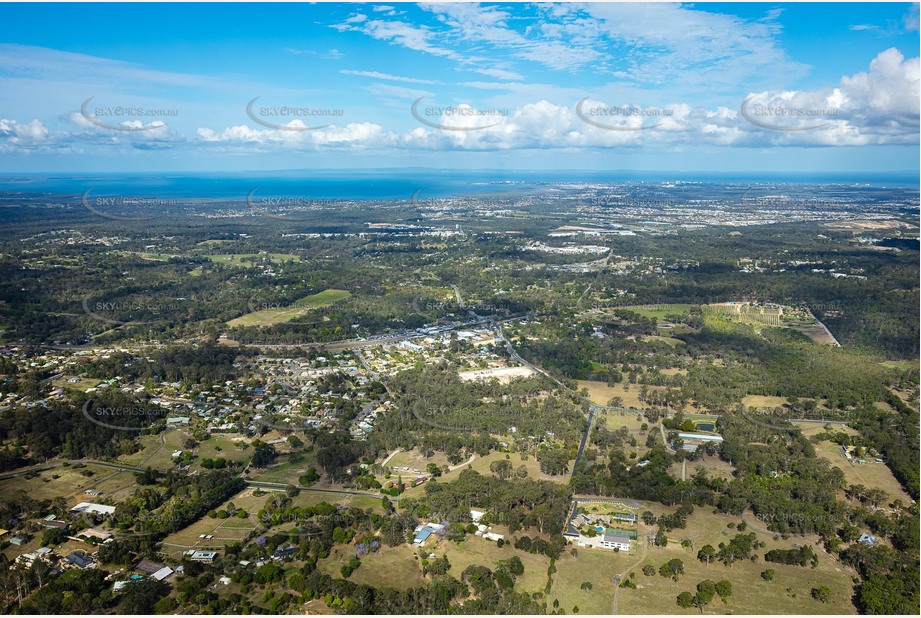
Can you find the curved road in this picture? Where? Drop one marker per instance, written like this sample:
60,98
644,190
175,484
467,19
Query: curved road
640,540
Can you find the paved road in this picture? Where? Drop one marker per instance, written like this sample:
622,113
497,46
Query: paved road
460,301
664,439
575,465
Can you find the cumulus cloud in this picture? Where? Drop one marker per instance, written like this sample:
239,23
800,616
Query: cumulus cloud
879,106
23,133
876,106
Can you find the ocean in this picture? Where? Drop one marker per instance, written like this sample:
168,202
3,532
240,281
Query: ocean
392,184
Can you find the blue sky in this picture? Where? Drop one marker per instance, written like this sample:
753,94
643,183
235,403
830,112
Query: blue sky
684,87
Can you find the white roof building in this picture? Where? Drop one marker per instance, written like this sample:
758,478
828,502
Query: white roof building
162,574
90,507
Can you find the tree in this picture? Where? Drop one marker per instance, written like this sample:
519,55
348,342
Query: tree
821,594
685,600
586,586
263,455
553,461
724,589
439,566
673,568
649,570
501,468
705,592
706,554
767,575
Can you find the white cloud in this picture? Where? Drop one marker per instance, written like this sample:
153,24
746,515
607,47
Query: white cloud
387,76
876,106
910,21
500,74
880,106
23,133
400,92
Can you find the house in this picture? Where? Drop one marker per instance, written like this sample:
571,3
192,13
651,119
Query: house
492,536
93,533
281,554
868,539
53,523
476,516
202,556
703,437
224,580
79,559
96,509
177,420
422,535
29,558
17,540
611,540
162,574
628,517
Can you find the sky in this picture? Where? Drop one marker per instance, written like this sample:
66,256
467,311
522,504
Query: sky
709,87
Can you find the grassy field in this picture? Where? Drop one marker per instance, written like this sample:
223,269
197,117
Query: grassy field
68,482
870,474
477,550
715,467
901,365
788,593
222,445
658,311
601,393
415,461
399,567
597,566
616,420
763,401
280,315
285,471
246,259
669,340
481,465
81,385
224,530
156,457
311,498
392,567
